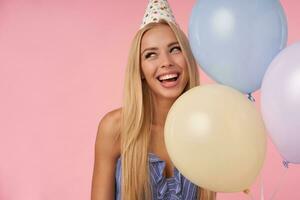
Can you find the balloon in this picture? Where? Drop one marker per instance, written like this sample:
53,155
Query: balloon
234,41
280,102
216,138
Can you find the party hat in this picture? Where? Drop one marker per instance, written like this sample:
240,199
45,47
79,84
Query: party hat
157,10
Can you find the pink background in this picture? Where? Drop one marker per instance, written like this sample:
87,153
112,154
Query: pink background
61,69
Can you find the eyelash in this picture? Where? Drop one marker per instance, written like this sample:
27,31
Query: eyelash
176,47
150,53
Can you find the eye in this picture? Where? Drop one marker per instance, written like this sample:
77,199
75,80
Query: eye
150,54
175,49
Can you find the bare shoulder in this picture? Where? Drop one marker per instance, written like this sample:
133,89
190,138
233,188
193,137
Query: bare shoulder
107,150
111,122
108,131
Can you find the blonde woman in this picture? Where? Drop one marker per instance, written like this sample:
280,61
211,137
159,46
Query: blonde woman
131,161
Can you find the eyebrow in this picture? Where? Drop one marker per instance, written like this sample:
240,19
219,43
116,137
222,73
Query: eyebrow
155,48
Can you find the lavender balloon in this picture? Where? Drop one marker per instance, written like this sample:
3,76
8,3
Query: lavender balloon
280,102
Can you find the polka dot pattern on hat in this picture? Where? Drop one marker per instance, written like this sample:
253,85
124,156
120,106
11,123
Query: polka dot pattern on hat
157,10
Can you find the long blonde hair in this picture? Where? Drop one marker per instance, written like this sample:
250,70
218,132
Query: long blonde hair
137,118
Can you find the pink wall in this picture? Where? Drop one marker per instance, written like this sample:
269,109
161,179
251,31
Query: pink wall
61,69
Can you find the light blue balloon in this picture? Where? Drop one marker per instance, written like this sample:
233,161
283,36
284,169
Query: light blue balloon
234,41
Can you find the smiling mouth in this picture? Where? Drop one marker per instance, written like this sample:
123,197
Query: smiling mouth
169,83
168,79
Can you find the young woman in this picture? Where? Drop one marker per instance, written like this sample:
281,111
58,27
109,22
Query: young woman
131,161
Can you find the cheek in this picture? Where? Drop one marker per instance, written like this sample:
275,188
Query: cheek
183,64
143,70
181,61
148,70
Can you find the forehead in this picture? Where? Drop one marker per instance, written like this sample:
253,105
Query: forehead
160,35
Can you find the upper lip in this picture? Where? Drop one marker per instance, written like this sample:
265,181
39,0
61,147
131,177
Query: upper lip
169,72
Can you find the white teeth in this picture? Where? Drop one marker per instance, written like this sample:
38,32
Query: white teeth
167,76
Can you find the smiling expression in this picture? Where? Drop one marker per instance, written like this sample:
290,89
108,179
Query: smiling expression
162,58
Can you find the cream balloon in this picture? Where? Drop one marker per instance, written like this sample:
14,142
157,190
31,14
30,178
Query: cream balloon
216,138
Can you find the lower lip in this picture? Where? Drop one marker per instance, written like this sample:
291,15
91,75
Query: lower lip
171,84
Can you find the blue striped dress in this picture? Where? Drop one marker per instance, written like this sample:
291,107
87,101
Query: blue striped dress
173,188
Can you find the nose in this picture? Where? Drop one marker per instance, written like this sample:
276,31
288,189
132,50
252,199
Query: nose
166,60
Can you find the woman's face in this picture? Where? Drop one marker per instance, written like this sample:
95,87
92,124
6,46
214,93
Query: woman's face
163,64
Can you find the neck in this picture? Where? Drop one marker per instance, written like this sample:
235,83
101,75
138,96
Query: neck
161,108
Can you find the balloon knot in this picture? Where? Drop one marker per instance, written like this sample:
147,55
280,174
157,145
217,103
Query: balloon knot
285,163
247,191
250,97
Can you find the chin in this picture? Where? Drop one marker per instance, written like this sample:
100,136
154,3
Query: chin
170,94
